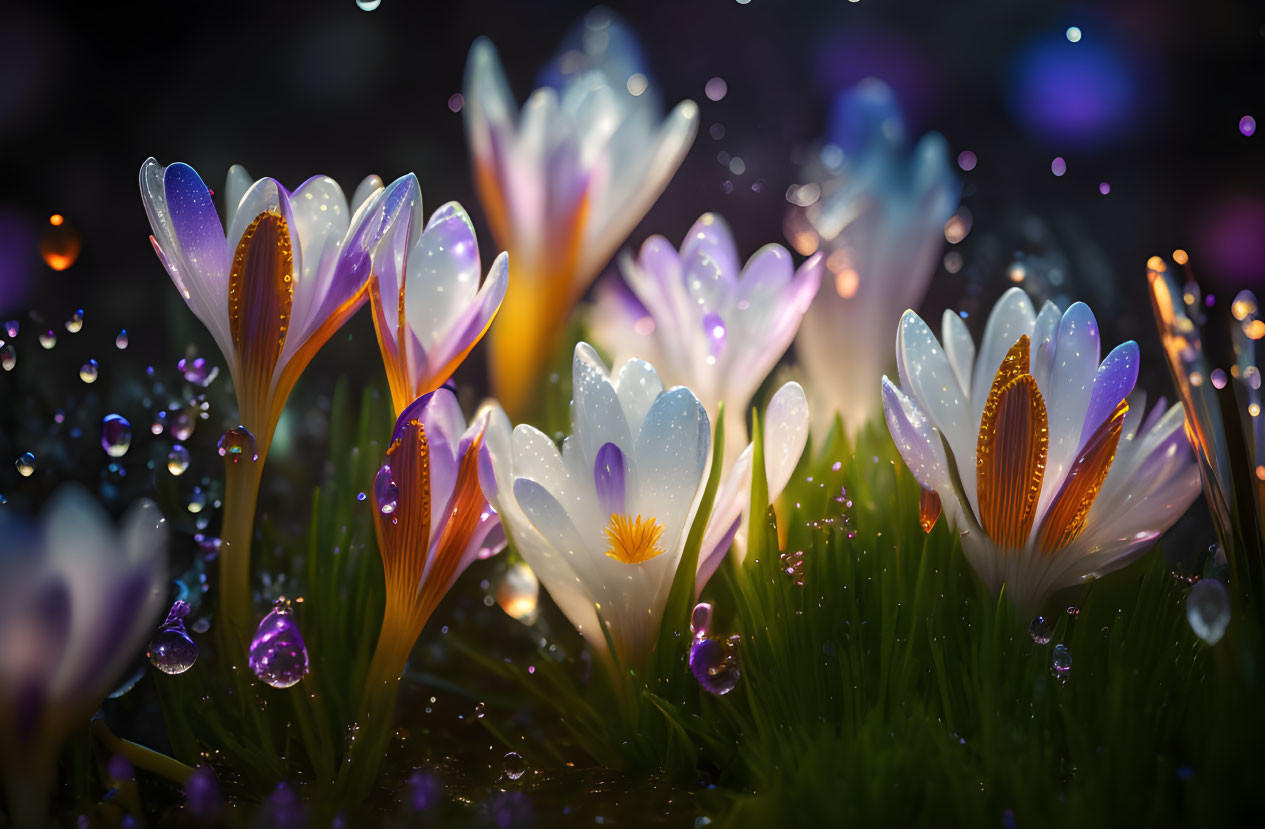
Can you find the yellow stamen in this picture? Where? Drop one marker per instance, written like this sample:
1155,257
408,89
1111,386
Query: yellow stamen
633,540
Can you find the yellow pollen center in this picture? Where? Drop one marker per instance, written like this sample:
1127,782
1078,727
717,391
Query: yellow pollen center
633,540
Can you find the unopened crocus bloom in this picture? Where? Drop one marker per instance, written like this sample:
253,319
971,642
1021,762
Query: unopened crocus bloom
428,307
563,183
1233,472
431,520
1052,475
785,430
272,290
876,211
603,523
77,601
704,320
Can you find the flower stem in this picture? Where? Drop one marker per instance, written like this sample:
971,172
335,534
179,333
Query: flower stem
28,780
140,756
372,727
241,494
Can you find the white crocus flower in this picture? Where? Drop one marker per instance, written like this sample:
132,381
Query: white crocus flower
876,211
603,523
77,602
1054,476
704,320
563,183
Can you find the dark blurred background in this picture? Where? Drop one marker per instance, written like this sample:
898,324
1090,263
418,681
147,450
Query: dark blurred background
1149,100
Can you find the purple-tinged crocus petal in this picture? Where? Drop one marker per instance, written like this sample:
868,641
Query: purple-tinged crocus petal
1114,381
609,475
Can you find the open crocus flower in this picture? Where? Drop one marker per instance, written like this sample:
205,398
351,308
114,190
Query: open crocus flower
428,307
705,321
564,183
77,602
603,523
431,520
275,288
785,435
876,211
1051,475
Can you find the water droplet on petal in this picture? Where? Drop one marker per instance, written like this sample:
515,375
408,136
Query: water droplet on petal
177,460
25,465
120,342
1208,610
237,443
519,593
48,339
277,653
385,492
714,662
1041,630
75,324
171,650
513,765
116,435
8,357
1061,663
89,371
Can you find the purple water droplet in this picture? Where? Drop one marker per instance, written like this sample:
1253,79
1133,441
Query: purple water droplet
116,435
197,371
385,492
714,662
171,650
278,655
701,619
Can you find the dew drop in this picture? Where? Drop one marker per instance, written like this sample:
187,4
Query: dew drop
48,339
1041,630
197,372
12,327
237,443
8,357
513,765
177,460
385,492
120,342
1208,610
519,593
116,435
25,465
278,655
714,663
182,424
89,371
479,710
197,500
159,424
75,324
701,619
171,650
1061,663
368,5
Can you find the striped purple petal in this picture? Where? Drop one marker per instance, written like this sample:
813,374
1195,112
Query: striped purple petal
610,477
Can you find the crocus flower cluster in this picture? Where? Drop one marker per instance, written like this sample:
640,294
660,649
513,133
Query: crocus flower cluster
876,211
564,182
1039,456
77,601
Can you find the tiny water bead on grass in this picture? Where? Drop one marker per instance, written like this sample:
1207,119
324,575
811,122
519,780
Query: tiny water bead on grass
1208,610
